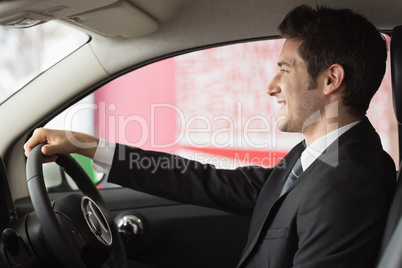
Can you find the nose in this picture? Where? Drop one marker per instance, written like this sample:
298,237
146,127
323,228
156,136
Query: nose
273,86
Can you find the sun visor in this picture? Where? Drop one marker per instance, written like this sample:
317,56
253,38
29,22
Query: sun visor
106,17
27,13
120,18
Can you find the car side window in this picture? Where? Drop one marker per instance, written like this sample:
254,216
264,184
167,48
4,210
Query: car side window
210,106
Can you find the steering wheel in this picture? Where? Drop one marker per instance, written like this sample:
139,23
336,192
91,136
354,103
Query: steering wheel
78,228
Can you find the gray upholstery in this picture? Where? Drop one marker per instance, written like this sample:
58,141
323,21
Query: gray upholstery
391,249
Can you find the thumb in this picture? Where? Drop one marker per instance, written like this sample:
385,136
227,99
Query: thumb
48,150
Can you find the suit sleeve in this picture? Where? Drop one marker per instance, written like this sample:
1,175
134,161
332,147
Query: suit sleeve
183,180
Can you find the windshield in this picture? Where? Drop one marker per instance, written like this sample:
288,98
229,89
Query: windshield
28,52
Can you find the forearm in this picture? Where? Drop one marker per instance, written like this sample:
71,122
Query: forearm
83,144
187,181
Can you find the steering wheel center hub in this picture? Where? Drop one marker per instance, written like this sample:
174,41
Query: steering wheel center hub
96,220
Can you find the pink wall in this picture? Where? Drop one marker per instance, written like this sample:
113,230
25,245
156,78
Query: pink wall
125,107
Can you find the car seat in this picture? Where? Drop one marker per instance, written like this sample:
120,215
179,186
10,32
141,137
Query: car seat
391,248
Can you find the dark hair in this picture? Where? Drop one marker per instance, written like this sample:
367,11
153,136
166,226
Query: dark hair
340,36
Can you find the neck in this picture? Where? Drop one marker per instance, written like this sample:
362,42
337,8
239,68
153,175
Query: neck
323,126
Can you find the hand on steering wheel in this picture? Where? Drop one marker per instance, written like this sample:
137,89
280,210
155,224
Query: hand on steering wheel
78,228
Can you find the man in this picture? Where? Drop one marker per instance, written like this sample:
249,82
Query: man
326,204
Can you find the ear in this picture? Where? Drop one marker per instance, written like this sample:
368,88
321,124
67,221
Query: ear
335,75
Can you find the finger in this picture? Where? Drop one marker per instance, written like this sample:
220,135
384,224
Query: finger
29,146
38,136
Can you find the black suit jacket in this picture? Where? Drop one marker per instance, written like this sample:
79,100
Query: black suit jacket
333,216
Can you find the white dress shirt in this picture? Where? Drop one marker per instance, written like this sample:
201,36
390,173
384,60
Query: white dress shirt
312,152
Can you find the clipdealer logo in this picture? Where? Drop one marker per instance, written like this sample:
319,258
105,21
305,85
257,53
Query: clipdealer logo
198,131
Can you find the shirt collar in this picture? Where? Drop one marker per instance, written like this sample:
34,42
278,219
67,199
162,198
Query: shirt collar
312,152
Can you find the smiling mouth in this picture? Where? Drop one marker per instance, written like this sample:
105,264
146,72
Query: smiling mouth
282,104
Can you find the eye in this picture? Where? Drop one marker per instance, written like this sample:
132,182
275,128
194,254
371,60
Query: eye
284,71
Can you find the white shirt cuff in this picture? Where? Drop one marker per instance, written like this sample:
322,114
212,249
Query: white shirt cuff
103,157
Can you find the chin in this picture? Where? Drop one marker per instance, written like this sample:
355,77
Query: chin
287,126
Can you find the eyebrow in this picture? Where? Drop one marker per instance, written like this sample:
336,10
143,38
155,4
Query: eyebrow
282,63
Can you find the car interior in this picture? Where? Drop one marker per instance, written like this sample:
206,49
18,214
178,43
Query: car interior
393,230
134,71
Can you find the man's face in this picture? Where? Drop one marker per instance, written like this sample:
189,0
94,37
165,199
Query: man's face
292,86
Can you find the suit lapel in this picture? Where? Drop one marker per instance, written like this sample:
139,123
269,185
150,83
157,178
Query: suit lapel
270,195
